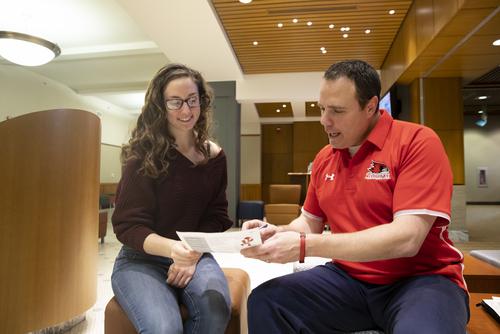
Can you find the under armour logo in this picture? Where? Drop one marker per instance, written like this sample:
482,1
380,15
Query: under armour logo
329,177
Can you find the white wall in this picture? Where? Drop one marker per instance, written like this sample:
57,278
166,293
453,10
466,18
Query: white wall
482,149
250,159
111,169
250,149
23,92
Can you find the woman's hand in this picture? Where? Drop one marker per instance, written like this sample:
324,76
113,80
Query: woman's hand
182,270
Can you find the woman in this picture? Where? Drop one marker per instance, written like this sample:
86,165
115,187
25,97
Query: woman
174,179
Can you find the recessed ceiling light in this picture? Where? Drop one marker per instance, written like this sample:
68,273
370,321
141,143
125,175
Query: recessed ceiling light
482,97
295,20
312,105
280,25
277,110
367,31
323,51
392,12
284,106
496,43
347,28
322,48
255,43
480,112
309,23
245,1
345,35
331,26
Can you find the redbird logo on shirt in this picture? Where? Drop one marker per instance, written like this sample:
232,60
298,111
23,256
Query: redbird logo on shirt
378,171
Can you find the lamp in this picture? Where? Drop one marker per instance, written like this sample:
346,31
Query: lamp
27,50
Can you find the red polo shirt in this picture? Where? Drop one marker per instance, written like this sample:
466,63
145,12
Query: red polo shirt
400,169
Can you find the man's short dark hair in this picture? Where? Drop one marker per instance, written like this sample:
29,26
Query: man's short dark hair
366,79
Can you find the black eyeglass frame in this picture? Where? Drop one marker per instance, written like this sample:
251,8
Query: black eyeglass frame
196,104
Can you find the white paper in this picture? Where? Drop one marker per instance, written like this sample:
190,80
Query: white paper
224,242
494,303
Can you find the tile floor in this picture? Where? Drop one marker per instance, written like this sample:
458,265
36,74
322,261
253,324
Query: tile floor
483,223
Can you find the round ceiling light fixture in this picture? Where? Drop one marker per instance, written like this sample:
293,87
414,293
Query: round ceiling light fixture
27,50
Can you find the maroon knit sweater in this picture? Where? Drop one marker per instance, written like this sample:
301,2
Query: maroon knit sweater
190,198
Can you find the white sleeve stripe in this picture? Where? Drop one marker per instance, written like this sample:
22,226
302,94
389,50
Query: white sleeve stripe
422,212
311,216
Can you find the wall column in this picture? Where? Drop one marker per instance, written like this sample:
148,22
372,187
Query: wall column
437,103
49,197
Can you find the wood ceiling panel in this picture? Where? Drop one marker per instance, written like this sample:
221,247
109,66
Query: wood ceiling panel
480,45
480,3
312,108
296,46
476,56
271,109
464,22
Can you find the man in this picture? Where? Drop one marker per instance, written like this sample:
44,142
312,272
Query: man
384,187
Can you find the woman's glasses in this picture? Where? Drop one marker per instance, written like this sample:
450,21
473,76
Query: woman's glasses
176,104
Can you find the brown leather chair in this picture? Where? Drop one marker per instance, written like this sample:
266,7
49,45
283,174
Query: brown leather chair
284,193
283,204
281,214
116,321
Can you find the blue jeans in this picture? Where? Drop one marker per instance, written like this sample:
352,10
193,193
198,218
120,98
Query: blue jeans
138,282
326,299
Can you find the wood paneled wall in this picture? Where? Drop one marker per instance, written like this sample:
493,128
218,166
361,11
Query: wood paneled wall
49,198
431,30
108,188
289,148
277,155
308,139
422,23
443,112
250,192
415,101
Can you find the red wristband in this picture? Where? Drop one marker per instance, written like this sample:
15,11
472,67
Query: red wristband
302,254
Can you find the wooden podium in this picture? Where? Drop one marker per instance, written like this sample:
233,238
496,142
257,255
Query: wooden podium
49,195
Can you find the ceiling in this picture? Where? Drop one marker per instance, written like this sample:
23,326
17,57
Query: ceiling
290,35
487,86
112,48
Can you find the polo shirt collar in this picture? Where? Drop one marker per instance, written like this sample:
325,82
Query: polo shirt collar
380,131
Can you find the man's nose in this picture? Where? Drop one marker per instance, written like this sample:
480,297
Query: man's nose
325,120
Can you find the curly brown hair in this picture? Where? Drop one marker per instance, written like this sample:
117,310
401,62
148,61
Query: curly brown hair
151,140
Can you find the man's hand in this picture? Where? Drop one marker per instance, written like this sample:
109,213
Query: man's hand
282,247
182,270
266,230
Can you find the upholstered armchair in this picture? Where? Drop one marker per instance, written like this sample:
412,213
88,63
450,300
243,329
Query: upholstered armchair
283,204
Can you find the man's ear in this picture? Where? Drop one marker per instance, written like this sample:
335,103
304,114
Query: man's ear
372,105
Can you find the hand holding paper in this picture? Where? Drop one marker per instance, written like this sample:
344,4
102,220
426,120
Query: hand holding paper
224,242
